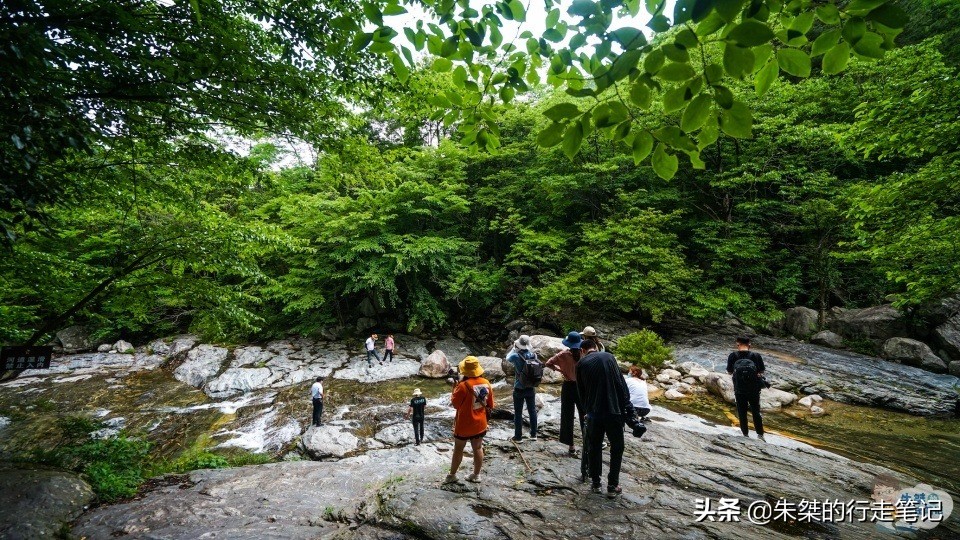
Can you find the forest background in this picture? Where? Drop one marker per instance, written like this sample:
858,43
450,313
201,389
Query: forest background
846,194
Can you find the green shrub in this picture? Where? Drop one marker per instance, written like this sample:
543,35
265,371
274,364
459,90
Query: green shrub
644,348
200,460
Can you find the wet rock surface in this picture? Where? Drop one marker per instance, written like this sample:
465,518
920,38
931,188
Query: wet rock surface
38,502
842,376
397,492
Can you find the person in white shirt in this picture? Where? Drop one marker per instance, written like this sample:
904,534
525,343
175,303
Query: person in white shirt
316,393
371,346
639,397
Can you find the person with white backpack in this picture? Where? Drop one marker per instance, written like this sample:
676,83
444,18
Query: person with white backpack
528,372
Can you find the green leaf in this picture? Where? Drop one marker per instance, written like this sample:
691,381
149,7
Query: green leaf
676,72
870,45
853,30
653,62
862,7
372,13
696,113
737,61
729,9
664,164
518,11
737,121
802,23
794,61
393,10
402,71
659,23
674,99
551,135
890,16
701,8
825,42
687,39
195,6
836,59
442,65
582,8
642,145
562,111
766,76
640,95
553,18
723,96
676,52
829,14
629,38
710,25
750,33
572,139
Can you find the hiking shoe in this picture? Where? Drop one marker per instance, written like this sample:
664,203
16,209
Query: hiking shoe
533,438
475,478
584,478
596,488
573,452
516,439
451,479
761,438
613,492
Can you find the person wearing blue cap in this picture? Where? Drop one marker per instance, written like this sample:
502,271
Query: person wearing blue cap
565,362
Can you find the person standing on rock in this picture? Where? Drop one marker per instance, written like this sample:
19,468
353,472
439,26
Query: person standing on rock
316,395
565,362
388,348
526,368
639,393
746,367
606,402
371,345
417,410
590,332
472,398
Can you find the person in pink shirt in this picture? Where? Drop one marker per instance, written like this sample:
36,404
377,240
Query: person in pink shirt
565,362
388,348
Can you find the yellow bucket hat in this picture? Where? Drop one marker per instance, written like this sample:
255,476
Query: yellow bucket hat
470,367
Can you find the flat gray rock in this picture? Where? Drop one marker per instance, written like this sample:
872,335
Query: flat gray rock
37,502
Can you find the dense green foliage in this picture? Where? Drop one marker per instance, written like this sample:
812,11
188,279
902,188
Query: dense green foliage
644,348
845,194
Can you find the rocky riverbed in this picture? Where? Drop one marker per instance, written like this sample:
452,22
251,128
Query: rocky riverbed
359,476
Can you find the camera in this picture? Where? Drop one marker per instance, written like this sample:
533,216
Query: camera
762,382
636,425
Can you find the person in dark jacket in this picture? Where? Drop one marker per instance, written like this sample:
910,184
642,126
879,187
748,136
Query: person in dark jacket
746,384
606,403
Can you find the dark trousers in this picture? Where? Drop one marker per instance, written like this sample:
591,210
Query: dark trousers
528,396
569,400
751,401
317,410
374,354
611,427
387,355
418,429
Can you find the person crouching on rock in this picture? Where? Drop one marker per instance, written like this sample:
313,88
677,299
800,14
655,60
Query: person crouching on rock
316,394
639,393
472,398
417,410
746,367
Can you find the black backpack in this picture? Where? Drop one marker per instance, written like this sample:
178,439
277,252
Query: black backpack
532,371
745,375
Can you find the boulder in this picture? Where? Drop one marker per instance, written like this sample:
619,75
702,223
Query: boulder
454,349
827,338
39,502
201,365
237,381
772,399
694,370
955,368
674,394
364,324
412,347
75,339
947,337
817,411
664,378
672,374
331,440
800,322
124,347
878,323
721,385
913,353
435,366
546,346
492,367
106,347
808,401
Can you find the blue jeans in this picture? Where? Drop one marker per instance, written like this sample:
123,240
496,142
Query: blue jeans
374,354
527,395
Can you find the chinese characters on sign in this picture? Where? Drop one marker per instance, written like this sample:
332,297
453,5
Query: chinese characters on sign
25,357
